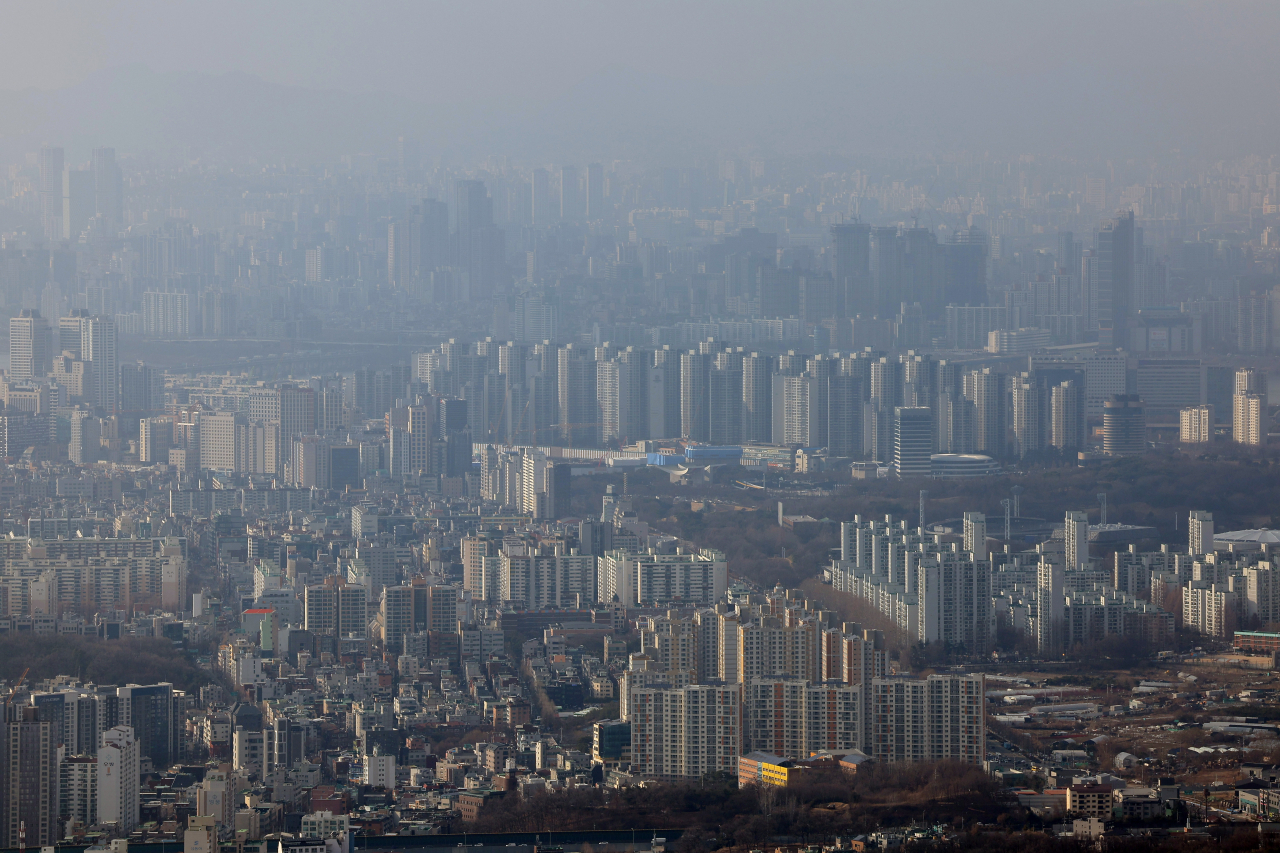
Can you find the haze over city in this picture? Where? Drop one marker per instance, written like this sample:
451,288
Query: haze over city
632,428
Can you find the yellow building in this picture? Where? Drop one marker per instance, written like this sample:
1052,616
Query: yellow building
763,768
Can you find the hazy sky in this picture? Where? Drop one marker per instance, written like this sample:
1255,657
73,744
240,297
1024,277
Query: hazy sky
917,74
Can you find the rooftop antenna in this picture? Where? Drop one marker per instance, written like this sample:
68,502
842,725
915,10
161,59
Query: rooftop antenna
1008,517
1102,499
923,494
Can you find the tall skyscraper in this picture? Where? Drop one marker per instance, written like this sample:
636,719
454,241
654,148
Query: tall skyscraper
695,395
975,535
28,777
108,189
1124,425
98,345
757,398
1076,529
1113,268
1249,407
77,202
1028,416
570,197
595,190
724,410
30,346
51,192
148,710
912,441
1200,533
983,388
852,269
479,241
1067,424
119,775
540,198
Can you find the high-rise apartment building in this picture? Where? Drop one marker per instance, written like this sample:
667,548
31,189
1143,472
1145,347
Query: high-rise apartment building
984,389
1028,416
769,647
479,242
657,579
1195,425
119,775
695,395
939,718
686,732
1249,416
476,550
1200,533
30,346
29,779
579,410
724,405
336,608
795,718
78,789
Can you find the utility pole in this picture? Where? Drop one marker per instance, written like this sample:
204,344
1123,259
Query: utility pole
1102,499
1008,517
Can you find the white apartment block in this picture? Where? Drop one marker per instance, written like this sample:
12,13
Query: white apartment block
686,732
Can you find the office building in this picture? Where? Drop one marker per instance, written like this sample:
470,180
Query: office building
148,710
912,441
1124,426
1111,287
51,192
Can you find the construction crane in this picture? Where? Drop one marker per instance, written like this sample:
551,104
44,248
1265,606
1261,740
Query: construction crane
14,692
